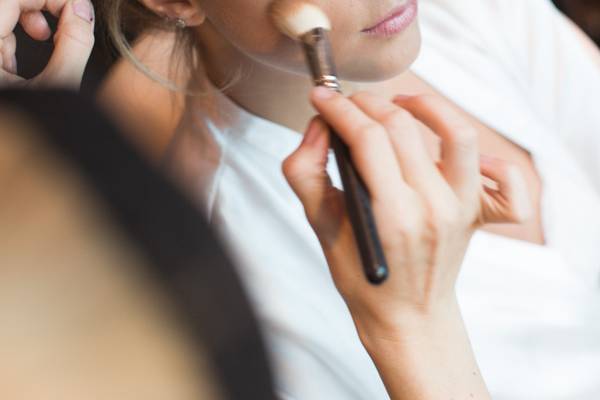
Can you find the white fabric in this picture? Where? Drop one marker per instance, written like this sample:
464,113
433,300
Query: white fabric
533,312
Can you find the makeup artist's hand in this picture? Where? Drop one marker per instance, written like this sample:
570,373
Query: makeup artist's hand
73,40
426,213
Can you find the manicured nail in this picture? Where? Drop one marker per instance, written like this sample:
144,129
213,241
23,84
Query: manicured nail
84,10
312,134
322,93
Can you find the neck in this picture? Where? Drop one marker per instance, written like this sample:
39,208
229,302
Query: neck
257,87
260,90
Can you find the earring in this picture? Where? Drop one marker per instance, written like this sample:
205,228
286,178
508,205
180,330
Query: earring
180,23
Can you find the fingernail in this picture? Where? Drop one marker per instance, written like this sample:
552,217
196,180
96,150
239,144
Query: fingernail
312,134
84,10
323,93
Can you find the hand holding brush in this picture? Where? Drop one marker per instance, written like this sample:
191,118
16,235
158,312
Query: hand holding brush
426,213
308,24
421,213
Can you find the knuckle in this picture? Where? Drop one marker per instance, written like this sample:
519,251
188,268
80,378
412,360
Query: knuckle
471,213
510,170
360,96
503,168
506,170
423,100
398,120
422,235
367,132
463,134
446,215
409,226
446,221
343,106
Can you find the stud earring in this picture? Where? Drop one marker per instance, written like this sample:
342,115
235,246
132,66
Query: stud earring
180,23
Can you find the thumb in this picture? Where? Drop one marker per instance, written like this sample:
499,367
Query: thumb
73,43
305,171
510,202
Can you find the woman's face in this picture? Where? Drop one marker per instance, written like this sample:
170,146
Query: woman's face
361,54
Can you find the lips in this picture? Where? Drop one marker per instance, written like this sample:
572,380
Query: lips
396,20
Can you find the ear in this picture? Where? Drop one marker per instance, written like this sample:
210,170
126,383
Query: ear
187,10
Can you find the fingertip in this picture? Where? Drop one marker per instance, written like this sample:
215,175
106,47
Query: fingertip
84,10
288,167
523,213
512,193
522,204
501,171
36,25
45,33
320,93
315,133
312,151
311,133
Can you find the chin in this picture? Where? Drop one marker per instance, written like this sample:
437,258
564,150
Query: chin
383,62
379,60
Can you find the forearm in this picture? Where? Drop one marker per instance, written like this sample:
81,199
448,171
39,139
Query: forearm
431,358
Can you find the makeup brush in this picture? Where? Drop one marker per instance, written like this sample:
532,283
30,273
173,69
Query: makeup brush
308,24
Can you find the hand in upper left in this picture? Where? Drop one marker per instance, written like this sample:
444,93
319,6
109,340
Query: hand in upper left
73,40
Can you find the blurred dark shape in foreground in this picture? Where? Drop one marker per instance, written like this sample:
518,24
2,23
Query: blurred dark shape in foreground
111,284
585,13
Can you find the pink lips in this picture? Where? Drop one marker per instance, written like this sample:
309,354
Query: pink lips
395,22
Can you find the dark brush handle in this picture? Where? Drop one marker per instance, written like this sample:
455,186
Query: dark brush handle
358,206
358,203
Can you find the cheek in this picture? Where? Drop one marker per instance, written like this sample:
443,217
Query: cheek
245,24
379,59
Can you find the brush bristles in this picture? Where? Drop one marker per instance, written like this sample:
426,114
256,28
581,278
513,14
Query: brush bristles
296,18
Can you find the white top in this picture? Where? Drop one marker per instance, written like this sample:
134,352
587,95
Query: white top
532,312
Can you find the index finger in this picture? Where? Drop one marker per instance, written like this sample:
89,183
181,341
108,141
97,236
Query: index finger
11,10
460,150
35,24
369,144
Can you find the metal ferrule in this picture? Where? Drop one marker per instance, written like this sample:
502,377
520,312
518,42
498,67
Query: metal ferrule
320,59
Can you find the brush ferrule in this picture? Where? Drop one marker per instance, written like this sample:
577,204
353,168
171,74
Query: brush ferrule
329,81
320,59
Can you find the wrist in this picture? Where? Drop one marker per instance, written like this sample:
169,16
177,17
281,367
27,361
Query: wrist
407,326
427,356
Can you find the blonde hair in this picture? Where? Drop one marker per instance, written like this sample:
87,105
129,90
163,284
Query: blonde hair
125,19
